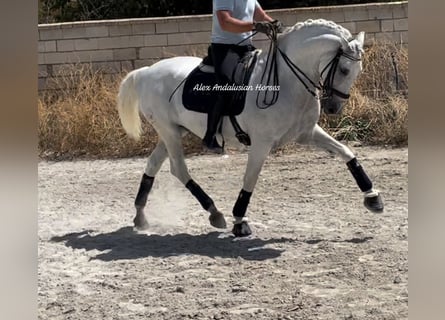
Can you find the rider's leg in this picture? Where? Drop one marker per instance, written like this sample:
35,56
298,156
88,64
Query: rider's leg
213,119
219,52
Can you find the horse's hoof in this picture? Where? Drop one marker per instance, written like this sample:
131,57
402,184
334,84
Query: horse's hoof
374,203
241,229
140,223
217,220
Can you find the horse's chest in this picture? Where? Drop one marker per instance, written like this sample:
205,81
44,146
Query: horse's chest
302,125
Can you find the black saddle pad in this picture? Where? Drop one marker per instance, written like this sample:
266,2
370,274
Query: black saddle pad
201,92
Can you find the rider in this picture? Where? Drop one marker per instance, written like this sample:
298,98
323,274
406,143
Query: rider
233,23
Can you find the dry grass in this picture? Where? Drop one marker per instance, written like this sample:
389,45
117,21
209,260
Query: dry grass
81,120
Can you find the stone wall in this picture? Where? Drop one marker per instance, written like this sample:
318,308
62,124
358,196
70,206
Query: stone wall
116,46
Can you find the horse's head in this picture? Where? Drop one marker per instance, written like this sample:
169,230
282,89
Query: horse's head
330,55
339,74
331,58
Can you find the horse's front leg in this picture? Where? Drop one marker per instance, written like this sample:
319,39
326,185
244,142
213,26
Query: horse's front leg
372,198
256,158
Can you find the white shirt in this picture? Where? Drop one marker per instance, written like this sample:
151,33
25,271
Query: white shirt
242,10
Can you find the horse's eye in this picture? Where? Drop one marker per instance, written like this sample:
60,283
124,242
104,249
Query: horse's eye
344,71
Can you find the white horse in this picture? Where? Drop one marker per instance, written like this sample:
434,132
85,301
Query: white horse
308,52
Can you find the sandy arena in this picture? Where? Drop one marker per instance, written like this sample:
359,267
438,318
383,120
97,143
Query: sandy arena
316,252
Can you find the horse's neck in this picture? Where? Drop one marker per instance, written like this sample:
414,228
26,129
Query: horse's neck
302,56
308,52
292,92
303,53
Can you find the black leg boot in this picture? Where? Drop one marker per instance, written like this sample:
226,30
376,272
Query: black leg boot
214,116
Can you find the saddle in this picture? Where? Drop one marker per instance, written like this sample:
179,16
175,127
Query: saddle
201,89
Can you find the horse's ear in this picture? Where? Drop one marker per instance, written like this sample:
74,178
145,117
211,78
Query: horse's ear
361,38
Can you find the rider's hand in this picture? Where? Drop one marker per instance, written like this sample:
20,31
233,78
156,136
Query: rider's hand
279,26
263,27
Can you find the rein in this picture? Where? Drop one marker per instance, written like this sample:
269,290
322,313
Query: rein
272,75
273,69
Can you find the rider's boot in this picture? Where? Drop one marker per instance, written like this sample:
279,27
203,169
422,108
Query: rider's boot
209,141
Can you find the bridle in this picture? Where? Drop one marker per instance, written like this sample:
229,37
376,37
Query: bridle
326,88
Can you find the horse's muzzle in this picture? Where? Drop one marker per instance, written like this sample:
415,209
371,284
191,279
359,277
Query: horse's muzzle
332,105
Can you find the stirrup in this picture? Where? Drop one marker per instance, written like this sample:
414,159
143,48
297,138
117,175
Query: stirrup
243,138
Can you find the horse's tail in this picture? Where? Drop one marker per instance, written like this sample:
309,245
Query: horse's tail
128,106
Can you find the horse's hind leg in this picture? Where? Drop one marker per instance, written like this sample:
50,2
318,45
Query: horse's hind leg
154,163
372,199
172,139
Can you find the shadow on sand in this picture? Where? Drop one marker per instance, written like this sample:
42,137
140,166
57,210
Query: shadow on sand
125,243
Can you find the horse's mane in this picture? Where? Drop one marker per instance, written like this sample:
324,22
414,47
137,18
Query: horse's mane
330,26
